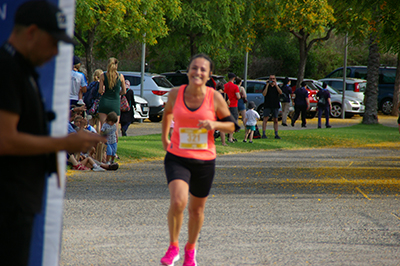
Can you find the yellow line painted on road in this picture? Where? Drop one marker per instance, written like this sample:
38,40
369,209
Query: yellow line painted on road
350,164
395,215
365,195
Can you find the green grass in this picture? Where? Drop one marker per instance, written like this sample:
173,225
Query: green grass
150,146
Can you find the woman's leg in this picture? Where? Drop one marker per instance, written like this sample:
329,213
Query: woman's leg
196,217
102,118
223,138
243,114
178,191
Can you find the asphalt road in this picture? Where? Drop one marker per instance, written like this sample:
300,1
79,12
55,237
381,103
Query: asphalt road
301,207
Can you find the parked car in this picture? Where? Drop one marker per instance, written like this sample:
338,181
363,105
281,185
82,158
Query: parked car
312,92
387,77
354,87
352,105
141,108
155,91
254,93
180,77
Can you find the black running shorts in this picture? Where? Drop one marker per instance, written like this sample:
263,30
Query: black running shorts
199,174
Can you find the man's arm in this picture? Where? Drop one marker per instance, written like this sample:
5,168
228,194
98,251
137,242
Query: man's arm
13,142
278,89
265,90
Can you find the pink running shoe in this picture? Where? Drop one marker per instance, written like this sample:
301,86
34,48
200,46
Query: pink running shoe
171,256
190,258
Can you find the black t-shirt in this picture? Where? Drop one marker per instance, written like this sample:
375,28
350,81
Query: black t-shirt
325,95
271,99
22,177
301,96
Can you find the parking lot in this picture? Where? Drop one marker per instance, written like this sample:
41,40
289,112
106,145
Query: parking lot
303,207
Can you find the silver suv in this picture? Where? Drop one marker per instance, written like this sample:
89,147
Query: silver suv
354,87
155,91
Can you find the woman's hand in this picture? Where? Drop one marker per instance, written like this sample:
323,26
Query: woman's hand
207,124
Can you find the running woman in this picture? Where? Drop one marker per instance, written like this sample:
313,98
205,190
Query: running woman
197,111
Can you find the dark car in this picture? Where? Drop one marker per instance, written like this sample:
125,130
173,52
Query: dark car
387,76
180,77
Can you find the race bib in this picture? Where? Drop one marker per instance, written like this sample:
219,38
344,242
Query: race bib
193,138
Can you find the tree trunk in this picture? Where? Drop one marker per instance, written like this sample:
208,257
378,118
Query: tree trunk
89,55
371,92
193,48
396,92
303,60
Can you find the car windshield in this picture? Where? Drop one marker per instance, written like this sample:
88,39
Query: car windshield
162,82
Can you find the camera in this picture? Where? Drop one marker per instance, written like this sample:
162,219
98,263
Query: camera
270,82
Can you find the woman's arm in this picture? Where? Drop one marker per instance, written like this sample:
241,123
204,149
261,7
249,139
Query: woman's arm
222,111
123,87
167,117
101,84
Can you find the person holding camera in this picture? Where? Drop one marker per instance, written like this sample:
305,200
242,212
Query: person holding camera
271,94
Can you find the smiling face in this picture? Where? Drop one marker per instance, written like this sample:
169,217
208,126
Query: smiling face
199,71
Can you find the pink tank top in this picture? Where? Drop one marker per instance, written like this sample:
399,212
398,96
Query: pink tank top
187,139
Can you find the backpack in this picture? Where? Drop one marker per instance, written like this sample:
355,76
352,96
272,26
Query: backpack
91,94
257,134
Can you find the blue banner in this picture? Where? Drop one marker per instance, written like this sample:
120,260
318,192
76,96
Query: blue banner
55,84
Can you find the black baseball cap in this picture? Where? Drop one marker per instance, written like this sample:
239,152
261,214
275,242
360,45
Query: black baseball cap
46,16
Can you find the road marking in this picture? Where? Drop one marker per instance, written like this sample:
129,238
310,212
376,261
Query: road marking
395,215
350,164
365,195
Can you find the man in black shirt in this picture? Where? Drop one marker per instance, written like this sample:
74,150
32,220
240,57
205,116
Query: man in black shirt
301,104
27,152
271,94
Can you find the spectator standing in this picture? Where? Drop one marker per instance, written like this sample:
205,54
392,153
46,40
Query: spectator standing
112,85
287,92
92,98
220,88
190,159
243,99
251,121
24,134
233,92
271,94
301,104
108,129
78,83
128,117
324,105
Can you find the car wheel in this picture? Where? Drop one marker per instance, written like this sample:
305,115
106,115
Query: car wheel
387,106
336,111
155,118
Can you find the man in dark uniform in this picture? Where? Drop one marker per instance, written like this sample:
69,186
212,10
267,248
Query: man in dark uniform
27,152
301,104
271,94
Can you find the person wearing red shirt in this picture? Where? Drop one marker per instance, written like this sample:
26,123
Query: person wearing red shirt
233,93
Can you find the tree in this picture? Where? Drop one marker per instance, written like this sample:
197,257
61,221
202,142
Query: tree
204,26
101,23
304,19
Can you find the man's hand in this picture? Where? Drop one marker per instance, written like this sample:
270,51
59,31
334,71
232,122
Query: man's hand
83,141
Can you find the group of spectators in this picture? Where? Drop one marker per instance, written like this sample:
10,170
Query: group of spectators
275,97
100,103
